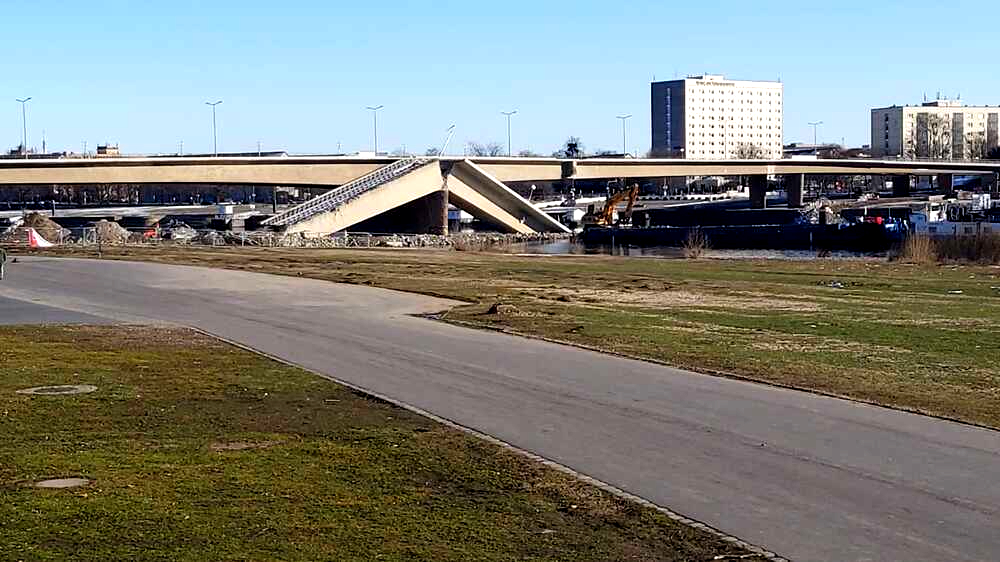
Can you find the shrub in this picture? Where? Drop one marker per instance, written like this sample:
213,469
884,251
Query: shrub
695,244
979,248
918,249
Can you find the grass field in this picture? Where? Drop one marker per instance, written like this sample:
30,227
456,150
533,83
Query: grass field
923,338
201,451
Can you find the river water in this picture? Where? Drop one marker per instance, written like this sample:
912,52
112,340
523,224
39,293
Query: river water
569,247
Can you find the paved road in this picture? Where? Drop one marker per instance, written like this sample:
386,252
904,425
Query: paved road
14,311
811,478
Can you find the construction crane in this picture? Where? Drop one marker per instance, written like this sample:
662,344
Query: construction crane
606,216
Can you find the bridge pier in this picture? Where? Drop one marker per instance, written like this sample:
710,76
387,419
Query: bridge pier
433,215
901,185
758,191
793,189
946,184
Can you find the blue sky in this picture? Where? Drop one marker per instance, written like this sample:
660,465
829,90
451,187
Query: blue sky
297,75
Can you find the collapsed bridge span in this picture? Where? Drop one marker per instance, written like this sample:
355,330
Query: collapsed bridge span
425,188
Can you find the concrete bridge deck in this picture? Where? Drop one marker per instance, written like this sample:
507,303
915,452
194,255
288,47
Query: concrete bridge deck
337,170
477,184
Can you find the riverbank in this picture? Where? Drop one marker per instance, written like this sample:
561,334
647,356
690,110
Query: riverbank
917,337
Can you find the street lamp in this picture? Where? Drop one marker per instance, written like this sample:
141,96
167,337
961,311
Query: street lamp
215,137
815,127
624,118
508,114
24,125
374,111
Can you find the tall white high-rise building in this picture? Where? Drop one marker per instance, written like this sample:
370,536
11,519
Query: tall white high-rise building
712,118
939,129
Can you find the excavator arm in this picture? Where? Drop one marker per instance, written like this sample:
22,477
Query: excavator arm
606,215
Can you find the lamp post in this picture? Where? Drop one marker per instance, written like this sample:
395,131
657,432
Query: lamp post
815,127
215,137
24,125
624,118
374,111
508,114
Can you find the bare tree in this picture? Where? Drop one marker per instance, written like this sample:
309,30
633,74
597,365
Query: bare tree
572,148
432,151
931,138
488,149
975,145
528,154
748,151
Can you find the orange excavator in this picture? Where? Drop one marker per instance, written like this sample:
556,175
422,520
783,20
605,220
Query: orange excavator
606,216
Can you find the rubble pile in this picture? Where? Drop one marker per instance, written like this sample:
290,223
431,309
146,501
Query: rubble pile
178,232
46,227
110,232
470,241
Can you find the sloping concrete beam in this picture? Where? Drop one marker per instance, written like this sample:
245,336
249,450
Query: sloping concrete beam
489,198
467,198
419,183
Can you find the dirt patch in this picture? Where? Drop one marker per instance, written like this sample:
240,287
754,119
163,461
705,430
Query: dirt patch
59,483
59,390
141,336
242,445
675,298
954,323
825,345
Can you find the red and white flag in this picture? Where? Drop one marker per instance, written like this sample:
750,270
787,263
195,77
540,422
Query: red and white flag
35,240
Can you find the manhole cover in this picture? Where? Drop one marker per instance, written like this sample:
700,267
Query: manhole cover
62,483
59,390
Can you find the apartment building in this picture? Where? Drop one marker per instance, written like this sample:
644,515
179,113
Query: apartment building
713,118
942,129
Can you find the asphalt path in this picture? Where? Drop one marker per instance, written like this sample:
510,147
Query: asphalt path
809,477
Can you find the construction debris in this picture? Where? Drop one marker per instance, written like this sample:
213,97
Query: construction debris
110,232
46,227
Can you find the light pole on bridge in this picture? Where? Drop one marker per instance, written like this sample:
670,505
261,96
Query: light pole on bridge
508,114
215,137
624,119
374,110
815,127
24,125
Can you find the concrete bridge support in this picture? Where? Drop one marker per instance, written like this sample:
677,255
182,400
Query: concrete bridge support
946,184
758,191
901,186
793,189
433,216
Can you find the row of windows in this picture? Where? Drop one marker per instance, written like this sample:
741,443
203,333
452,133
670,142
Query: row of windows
728,133
966,116
722,153
697,110
734,127
746,120
733,92
732,117
730,140
733,102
